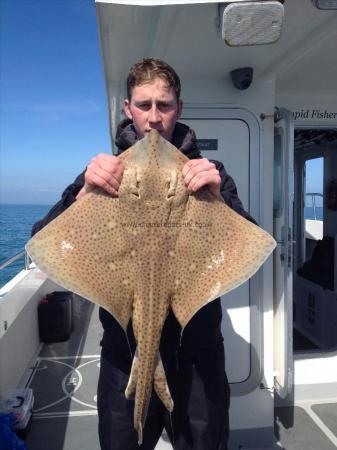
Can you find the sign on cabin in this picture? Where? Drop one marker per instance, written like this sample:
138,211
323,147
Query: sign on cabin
207,144
314,114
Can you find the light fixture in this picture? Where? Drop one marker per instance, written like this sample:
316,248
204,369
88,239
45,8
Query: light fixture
251,22
325,4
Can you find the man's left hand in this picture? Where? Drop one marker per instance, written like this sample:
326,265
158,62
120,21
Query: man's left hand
201,172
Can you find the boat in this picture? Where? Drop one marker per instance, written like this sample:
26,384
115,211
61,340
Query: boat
259,87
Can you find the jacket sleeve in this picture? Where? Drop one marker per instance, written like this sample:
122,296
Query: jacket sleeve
229,192
67,199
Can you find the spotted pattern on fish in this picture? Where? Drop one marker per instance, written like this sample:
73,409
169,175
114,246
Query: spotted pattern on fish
153,248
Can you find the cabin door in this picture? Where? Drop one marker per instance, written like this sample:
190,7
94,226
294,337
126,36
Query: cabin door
283,254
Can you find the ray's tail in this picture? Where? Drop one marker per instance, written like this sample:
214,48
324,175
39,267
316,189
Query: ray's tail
147,373
150,309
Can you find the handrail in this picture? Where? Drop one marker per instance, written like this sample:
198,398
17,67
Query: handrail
313,195
14,258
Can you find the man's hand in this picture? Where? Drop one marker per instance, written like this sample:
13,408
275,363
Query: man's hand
104,171
200,172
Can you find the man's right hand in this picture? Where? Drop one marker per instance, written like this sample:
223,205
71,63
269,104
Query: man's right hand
104,171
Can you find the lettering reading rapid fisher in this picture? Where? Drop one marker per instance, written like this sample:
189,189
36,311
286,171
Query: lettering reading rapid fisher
314,114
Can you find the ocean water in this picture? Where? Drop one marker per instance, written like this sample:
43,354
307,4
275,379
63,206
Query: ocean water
309,212
16,222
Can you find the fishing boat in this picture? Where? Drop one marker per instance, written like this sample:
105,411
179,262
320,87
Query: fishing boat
259,88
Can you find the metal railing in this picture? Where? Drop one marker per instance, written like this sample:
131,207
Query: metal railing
313,200
14,258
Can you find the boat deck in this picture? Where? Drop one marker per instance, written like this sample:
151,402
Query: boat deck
64,381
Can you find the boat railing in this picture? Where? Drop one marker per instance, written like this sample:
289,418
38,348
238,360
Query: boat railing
313,201
14,258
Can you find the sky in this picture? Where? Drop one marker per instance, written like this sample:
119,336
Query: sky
53,110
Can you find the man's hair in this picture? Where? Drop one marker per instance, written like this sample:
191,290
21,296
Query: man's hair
147,69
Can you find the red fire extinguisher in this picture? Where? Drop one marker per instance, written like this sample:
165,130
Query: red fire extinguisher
332,195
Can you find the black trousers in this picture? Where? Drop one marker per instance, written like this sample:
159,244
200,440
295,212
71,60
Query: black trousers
200,392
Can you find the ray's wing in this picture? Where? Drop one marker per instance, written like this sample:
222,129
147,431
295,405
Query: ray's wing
216,251
85,251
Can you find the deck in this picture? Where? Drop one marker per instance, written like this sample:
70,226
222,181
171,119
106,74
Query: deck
64,381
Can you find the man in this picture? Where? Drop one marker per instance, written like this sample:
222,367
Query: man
194,364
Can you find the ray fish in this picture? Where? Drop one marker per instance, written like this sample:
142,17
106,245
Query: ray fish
154,247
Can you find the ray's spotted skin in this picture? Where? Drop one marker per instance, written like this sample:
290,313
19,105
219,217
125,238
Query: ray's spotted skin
154,247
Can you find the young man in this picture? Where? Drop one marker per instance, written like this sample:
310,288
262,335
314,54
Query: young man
194,365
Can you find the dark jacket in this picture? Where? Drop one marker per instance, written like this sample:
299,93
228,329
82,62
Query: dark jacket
204,330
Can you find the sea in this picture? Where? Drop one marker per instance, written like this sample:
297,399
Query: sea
16,222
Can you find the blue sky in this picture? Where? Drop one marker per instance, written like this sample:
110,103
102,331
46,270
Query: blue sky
53,103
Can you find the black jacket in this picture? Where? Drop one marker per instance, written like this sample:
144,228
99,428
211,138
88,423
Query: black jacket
204,330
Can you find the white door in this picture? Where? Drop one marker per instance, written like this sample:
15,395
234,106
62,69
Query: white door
283,254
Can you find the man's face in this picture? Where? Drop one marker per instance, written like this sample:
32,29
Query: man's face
153,106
